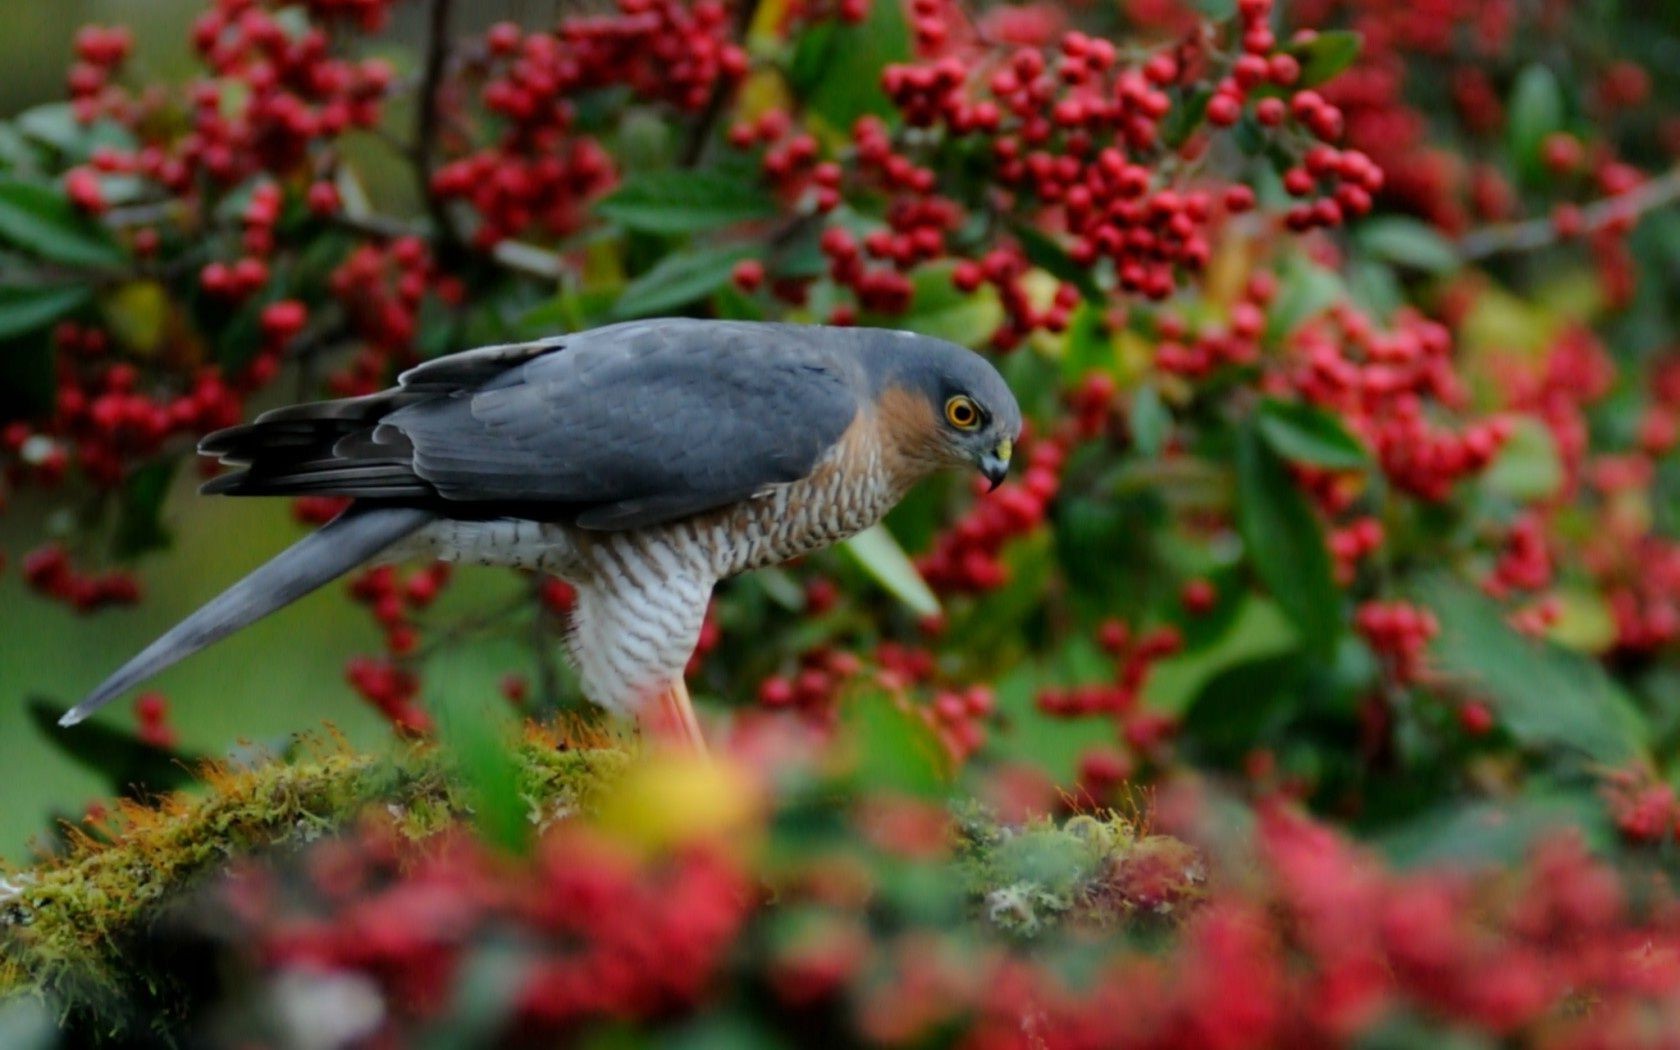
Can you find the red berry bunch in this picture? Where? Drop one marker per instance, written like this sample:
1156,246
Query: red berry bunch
1381,383
1352,543
295,93
381,287
541,173
394,598
151,709
1234,342
966,557
49,573
1525,563
1399,633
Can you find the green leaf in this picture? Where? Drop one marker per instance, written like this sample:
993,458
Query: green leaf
1183,119
1407,242
1150,421
127,766
879,554
1546,696
1326,55
678,280
140,525
1528,467
43,222
1536,111
1284,542
1304,434
685,201
1043,251
55,124
479,732
25,309
1494,832
1308,290
892,749
1088,346
938,308
839,69
1237,708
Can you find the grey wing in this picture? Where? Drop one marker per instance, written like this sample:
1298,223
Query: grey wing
615,428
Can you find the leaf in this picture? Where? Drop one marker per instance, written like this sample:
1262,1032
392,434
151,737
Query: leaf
1528,467
1284,542
479,731
1308,290
879,555
678,280
1183,119
137,313
838,70
126,765
1546,696
939,309
43,222
685,201
1536,111
891,748
1236,708
55,124
25,309
1327,54
1494,832
1305,434
140,526
1149,420
1043,251
1407,242
1256,632
1088,347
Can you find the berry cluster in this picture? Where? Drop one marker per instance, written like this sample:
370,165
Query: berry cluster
49,573
1380,383
542,173
601,933
1145,732
966,557
151,710
1399,633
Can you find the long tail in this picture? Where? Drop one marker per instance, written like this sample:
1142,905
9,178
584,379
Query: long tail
331,551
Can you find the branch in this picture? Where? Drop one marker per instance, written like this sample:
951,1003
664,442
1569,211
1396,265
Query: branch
1538,233
426,125
695,148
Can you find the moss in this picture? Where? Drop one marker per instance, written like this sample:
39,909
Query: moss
1094,871
65,922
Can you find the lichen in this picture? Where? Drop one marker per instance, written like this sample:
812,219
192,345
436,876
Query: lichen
64,922
1089,870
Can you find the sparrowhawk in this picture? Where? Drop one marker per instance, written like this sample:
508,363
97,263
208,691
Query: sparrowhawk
641,462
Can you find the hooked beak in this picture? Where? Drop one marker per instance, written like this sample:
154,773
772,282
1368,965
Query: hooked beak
995,464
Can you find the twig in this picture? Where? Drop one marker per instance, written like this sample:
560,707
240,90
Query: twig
694,150
426,124
542,648
1538,233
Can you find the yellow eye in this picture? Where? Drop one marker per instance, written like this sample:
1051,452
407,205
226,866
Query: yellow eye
962,413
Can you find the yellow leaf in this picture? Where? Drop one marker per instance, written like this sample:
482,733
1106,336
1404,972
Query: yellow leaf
670,800
137,313
1584,622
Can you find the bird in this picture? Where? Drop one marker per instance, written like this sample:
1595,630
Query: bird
642,462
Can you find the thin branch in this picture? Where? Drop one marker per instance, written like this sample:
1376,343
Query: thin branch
1538,233
426,125
694,150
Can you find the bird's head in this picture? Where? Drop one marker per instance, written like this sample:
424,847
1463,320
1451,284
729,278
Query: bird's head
954,407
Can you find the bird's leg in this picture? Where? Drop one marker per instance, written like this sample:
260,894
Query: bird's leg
672,718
